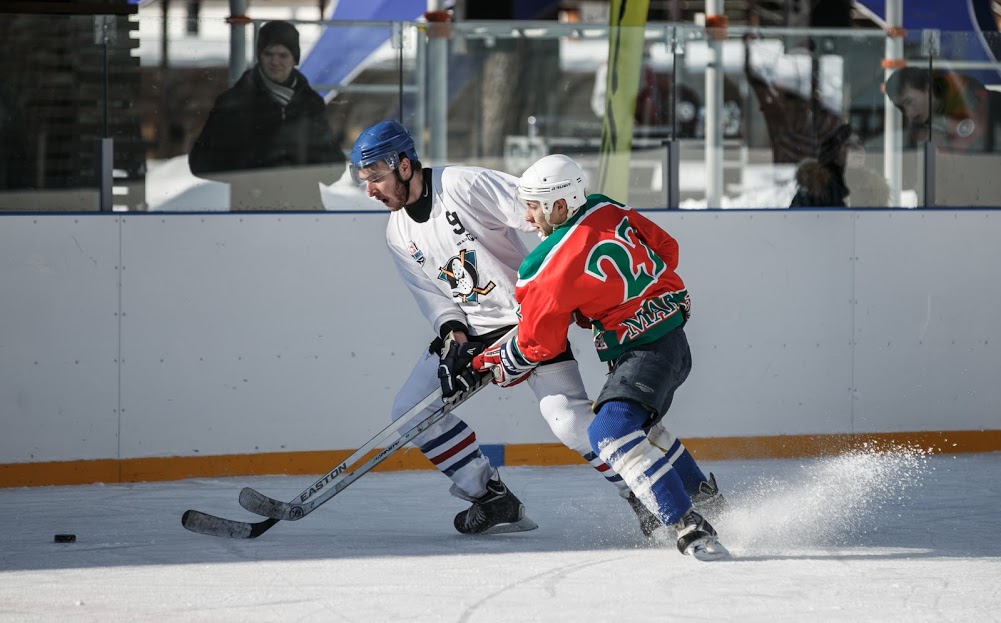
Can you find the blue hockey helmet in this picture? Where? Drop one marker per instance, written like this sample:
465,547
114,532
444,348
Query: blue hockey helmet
385,142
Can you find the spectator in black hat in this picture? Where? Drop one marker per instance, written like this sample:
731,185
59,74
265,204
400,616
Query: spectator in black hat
270,118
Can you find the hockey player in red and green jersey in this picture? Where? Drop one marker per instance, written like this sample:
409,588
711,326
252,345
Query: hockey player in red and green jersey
603,262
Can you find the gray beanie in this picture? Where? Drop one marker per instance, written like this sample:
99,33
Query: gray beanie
279,32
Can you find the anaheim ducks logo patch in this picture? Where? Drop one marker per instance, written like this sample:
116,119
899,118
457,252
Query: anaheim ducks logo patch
461,274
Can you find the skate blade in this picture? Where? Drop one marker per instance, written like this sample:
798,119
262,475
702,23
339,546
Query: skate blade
522,525
707,549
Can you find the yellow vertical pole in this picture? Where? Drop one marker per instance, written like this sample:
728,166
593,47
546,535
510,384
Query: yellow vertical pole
627,22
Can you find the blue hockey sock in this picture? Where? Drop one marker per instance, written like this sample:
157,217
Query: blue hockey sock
684,463
617,435
688,470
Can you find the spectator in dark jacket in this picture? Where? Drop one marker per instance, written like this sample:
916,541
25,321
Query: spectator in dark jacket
270,118
820,182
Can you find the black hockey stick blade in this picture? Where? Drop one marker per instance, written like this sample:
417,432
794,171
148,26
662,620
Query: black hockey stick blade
256,502
203,523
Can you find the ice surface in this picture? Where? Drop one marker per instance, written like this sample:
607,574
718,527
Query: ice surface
868,536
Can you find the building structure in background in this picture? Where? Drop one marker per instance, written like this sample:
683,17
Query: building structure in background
71,72
168,60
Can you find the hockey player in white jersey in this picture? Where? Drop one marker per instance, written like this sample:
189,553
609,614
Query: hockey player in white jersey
453,236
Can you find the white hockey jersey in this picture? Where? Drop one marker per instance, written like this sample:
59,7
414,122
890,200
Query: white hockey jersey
462,263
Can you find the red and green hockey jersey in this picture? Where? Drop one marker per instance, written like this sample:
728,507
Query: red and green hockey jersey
612,264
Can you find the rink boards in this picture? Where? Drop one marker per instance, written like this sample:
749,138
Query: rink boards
160,346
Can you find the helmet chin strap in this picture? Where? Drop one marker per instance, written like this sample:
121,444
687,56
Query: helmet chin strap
545,215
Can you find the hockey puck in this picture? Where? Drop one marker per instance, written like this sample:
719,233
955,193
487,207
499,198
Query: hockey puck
65,538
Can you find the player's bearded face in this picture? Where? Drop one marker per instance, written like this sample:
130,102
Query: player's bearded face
402,191
384,185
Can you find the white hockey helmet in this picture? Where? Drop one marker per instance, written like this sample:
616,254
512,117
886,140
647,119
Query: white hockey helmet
550,179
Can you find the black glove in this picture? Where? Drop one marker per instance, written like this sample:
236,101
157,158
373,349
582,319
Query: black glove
454,371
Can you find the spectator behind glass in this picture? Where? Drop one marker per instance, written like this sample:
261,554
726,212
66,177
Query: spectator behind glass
964,115
270,118
820,182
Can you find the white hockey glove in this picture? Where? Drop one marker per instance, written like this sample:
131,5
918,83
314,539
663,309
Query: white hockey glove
454,372
505,362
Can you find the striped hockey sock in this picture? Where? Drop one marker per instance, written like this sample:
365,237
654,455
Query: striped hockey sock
456,453
602,468
617,436
684,463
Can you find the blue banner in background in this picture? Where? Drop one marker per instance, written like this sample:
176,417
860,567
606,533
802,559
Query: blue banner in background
975,17
340,52
920,14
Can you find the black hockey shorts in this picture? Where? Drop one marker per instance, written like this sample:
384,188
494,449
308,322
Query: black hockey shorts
649,374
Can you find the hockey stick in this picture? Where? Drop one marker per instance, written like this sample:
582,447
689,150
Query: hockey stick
309,500
331,483
203,523
275,510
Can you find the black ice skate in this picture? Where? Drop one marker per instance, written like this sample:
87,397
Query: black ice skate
495,512
697,538
708,500
649,523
